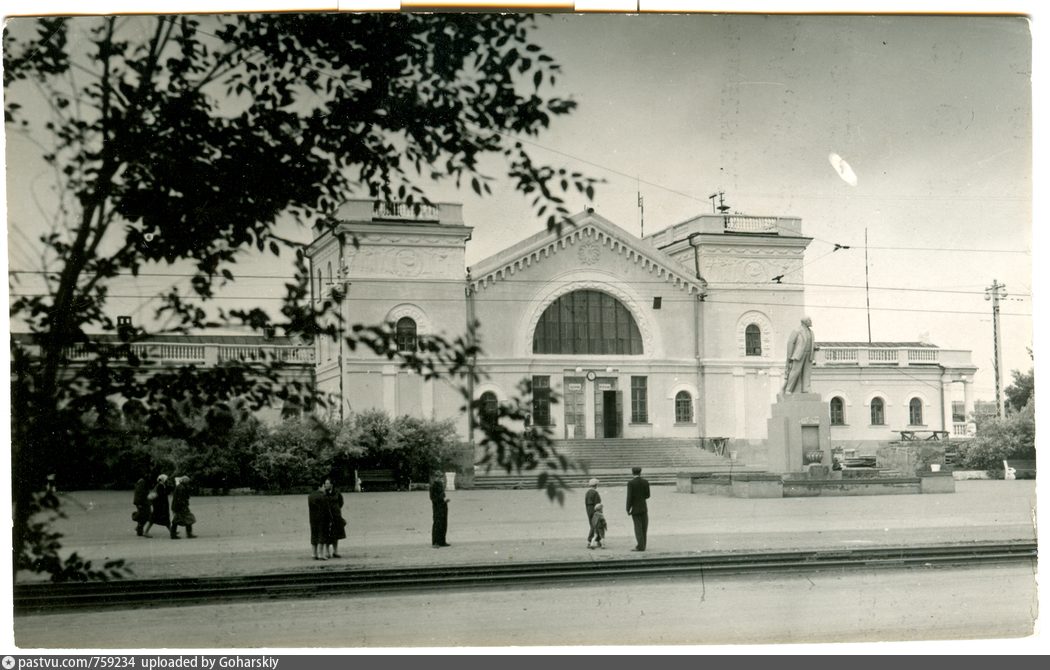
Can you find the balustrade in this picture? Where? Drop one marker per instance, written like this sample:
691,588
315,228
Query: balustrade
168,352
750,224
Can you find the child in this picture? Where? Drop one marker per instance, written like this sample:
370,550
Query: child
598,522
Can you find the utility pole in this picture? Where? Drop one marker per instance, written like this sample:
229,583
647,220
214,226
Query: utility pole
867,291
994,293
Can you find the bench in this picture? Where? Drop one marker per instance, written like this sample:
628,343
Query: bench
914,435
376,480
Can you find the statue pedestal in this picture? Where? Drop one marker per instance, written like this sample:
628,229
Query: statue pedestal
799,430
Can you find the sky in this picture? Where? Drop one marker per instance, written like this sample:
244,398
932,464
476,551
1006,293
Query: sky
933,115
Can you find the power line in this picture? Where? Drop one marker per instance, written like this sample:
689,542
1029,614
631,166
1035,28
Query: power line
709,300
758,285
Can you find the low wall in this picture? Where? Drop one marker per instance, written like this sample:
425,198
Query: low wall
757,485
704,483
803,488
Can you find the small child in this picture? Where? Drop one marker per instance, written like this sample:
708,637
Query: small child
598,521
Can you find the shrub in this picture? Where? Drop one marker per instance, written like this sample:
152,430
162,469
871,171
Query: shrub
420,446
1001,439
290,456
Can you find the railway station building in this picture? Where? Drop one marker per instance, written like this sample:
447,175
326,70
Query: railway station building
679,334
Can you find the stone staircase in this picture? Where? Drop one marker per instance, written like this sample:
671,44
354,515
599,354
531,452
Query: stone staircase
611,460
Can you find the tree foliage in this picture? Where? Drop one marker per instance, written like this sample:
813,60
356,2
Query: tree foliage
1021,390
186,139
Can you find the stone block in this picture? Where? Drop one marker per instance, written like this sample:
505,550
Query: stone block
937,482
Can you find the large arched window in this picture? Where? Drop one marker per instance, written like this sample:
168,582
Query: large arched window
488,409
838,412
878,412
753,340
683,407
587,322
915,412
405,334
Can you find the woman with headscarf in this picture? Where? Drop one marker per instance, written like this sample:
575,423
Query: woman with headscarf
159,514
180,507
140,500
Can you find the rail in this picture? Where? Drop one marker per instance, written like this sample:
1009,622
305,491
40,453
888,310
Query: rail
126,594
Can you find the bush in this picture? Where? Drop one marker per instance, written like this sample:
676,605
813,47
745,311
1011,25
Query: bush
421,446
1001,439
290,456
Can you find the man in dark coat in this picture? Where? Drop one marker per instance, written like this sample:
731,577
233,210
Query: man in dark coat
590,499
439,504
637,494
320,518
336,524
180,507
141,502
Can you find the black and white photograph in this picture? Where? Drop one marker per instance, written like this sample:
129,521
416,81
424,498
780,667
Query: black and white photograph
448,330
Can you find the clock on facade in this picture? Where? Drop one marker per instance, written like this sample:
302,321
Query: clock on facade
591,375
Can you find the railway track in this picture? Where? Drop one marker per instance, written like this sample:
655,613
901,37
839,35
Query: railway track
126,594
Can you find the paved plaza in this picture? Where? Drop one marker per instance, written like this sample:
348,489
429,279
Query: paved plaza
253,534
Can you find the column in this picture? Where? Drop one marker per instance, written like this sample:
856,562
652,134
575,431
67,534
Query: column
946,393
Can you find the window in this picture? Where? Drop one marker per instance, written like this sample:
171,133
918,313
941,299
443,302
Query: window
587,322
877,412
753,340
320,286
489,410
838,412
541,401
639,400
683,407
915,412
405,334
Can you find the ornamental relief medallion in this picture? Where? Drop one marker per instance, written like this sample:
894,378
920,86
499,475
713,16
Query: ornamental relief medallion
589,253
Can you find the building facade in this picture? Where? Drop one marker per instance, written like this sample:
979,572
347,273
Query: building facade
678,334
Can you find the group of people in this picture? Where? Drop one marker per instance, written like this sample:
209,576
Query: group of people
637,508
327,525
152,507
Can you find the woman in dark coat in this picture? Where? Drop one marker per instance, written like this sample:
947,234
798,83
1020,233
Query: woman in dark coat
320,511
180,506
141,502
336,523
159,513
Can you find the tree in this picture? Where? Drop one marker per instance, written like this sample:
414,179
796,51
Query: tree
185,139
1021,390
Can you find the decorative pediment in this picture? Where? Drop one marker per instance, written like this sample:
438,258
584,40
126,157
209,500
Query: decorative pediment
591,240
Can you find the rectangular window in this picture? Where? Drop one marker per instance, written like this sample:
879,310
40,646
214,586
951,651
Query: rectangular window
639,400
541,400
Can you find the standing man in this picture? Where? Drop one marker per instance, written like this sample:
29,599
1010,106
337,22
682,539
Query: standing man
591,499
800,358
439,504
637,494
